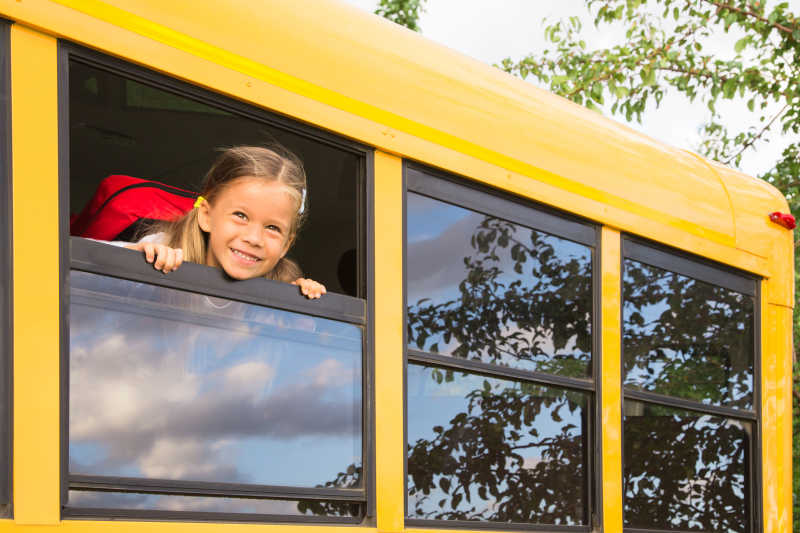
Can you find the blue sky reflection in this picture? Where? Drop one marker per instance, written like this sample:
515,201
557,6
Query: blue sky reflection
168,384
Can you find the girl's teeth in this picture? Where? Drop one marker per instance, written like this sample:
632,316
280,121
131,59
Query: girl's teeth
244,256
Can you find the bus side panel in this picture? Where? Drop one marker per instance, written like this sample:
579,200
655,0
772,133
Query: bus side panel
36,277
776,405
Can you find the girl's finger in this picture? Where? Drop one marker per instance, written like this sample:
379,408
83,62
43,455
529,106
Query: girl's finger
169,259
178,258
149,252
160,256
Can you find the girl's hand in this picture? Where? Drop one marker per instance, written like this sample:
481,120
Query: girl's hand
163,257
310,288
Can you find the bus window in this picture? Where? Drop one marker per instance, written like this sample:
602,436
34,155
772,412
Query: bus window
120,122
500,388
191,396
690,410
5,274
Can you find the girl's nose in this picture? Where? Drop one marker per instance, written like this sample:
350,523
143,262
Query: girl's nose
253,234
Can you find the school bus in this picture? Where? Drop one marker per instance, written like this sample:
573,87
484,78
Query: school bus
537,318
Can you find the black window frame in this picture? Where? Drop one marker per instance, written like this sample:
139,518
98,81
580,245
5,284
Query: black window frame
6,277
696,267
462,192
85,255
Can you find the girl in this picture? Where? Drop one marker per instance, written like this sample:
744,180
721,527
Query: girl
246,218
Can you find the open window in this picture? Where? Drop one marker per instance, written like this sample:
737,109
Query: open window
188,395
502,360
691,393
6,270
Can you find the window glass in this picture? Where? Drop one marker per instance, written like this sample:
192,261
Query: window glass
685,470
687,338
174,385
493,449
172,502
486,289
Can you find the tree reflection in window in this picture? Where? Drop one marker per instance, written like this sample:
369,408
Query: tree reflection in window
690,340
484,289
685,470
686,338
505,451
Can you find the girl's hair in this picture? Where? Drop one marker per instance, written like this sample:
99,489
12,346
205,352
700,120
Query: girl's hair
274,163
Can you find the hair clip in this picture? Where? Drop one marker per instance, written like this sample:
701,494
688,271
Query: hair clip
199,202
302,203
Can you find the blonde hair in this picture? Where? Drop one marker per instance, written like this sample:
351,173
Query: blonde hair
272,164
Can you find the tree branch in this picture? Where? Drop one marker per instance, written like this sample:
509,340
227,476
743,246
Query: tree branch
752,14
750,142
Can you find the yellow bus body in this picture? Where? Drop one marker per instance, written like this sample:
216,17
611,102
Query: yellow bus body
343,70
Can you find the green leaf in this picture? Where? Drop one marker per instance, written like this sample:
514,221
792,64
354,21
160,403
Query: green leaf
729,88
597,92
741,44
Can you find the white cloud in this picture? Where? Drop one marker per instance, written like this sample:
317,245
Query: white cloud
186,398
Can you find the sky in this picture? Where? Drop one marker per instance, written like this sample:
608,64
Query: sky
491,31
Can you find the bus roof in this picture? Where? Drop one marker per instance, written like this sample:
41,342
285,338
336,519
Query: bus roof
392,88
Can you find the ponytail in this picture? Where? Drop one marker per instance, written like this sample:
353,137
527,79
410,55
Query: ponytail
286,270
185,233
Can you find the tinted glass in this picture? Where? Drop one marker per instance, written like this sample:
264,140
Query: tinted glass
687,338
163,502
174,385
486,289
685,470
492,449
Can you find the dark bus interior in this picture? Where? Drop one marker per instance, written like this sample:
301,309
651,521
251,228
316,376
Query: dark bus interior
118,125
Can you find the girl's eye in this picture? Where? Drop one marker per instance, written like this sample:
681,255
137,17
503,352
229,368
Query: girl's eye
272,227
239,214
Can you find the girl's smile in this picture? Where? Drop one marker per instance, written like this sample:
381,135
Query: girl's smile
248,226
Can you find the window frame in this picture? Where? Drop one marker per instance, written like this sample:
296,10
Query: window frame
85,255
707,271
462,192
7,277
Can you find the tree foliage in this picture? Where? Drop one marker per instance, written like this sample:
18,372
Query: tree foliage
403,12
672,46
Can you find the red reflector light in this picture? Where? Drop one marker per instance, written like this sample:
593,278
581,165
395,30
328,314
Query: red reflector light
784,219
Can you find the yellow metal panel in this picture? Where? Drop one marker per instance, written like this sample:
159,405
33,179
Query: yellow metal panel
753,202
611,401
389,435
432,105
36,277
776,417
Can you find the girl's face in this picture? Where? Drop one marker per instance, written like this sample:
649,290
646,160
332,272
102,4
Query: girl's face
248,226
